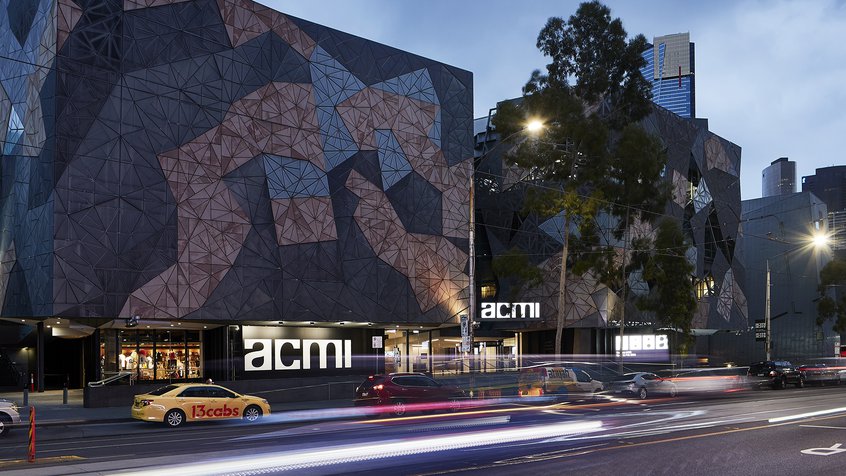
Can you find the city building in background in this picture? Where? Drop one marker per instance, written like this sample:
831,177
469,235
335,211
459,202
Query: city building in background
703,172
829,184
777,233
779,178
670,68
216,189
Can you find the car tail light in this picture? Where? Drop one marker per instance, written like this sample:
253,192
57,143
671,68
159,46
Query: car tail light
378,387
144,403
772,373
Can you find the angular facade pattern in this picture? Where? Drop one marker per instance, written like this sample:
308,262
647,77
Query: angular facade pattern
703,170
218,160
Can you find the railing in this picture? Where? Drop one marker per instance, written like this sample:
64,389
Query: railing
114,378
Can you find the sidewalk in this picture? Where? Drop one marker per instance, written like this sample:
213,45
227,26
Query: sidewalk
50,409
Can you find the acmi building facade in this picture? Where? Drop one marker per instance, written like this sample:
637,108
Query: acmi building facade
186,183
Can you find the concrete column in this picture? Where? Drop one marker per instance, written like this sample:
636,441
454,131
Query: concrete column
39,357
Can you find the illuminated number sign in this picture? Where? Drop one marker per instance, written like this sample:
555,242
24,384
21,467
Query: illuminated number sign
644,347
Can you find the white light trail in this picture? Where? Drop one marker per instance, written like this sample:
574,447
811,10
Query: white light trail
352,453
807,415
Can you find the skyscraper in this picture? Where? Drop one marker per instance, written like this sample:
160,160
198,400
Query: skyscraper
779,178
670,67
829,183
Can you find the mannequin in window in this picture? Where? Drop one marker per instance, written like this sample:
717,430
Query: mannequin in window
121,361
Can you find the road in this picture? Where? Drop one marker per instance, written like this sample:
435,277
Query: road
755,432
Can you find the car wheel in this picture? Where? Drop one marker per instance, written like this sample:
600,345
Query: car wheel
398,408
5,423
252,413
673,391
800,383
174,418
642,393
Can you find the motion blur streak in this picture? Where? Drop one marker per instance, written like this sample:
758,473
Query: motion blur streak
347,454
806,415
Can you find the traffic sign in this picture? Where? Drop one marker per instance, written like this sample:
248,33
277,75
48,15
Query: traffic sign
377,342
760,330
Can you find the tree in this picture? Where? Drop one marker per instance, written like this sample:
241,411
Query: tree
668,273
592,156
833,274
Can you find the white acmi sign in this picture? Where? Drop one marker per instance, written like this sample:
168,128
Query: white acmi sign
510,310
273,360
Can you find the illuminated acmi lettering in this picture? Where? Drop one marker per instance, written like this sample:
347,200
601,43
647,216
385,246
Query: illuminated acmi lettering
510,310
273,360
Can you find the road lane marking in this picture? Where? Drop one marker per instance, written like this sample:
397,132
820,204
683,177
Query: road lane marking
824,426
807,415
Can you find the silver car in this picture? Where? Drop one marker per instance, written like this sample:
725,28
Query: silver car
642,385
9,416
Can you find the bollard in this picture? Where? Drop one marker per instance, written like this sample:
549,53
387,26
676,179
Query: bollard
31,456
26,397
65,395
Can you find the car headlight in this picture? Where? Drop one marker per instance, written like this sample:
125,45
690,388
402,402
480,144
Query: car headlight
14,407
265,401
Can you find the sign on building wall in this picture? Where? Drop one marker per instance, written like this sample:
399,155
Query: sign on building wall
303,351
510,310
643,347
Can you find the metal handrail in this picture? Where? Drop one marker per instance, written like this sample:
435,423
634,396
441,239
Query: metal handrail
111,379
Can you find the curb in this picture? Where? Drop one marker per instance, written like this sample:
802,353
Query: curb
39,424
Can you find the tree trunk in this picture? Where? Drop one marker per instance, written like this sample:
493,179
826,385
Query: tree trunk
562,287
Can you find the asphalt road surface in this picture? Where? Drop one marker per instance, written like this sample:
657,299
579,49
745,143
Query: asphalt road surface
793,431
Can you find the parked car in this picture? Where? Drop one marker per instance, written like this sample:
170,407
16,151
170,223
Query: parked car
775,374
821,374
9,416
573,382
642,385
187,402
404,392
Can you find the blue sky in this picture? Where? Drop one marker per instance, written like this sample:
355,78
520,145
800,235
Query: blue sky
770,75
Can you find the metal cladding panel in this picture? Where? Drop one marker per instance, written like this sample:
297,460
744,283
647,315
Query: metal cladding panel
215,159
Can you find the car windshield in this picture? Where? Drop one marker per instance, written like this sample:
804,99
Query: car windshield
163,390
624,377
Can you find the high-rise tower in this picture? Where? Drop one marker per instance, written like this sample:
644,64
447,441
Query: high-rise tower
670,67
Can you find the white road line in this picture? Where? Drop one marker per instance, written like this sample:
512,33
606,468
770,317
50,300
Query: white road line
807,415
824,426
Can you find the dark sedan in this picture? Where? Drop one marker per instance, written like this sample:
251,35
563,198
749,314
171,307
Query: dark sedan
775,374
399,393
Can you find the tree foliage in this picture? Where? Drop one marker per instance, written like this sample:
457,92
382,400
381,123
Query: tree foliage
592,156
668,272
832,304
594,49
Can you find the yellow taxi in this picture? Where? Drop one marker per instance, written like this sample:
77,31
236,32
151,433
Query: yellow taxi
180,402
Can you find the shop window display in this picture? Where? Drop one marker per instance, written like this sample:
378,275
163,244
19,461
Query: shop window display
152,354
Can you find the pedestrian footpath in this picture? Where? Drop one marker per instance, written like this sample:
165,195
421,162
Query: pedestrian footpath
50,408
